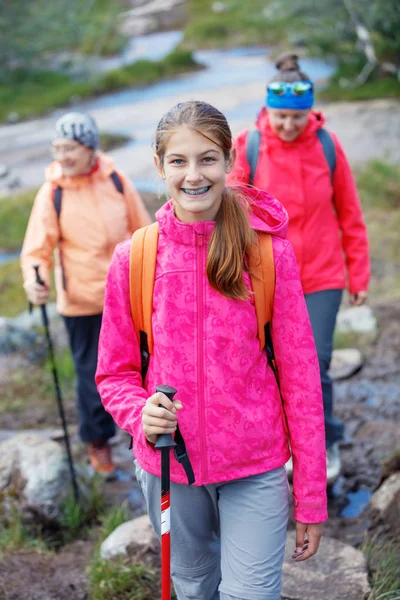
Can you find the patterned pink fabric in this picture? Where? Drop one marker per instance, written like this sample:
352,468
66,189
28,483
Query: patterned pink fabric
206,346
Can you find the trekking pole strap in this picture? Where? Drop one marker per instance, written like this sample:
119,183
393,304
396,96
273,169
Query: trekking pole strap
182,456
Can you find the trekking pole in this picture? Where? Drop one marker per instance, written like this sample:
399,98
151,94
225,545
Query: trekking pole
165,443
45,320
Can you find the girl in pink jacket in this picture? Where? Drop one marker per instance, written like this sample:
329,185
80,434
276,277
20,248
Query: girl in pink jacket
304,166
228,530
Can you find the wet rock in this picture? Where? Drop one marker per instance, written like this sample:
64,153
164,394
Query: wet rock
133,537
34,477
336,572
345,363
359,319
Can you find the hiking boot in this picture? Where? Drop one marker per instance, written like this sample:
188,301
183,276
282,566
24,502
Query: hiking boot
100,458
333,463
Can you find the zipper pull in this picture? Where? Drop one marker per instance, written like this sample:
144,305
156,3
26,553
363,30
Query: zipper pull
200,238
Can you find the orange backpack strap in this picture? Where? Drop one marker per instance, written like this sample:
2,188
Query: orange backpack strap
262,269
142,271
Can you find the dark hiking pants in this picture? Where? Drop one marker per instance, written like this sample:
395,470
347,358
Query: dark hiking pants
322,309
95,423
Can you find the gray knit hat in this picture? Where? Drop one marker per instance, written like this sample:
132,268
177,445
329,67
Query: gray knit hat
80,127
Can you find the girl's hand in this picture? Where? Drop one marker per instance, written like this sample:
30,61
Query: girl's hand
358,298
308,538
158,419
37,293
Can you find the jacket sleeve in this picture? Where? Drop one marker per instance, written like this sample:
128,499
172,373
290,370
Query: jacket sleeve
299,376
41,236
354,231
138,215
241,169
118,376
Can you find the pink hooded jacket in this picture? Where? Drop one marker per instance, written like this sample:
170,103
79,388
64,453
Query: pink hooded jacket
326,226
206,346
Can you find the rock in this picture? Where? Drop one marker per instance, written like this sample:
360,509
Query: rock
34,473
13,338
13,117
4,170
336,572
133,537
345,363
386,500
218,7
359,319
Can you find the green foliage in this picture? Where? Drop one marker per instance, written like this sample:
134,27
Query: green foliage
31,33
14,215
241,23
44,90
14,536
120,580
379,185
77,517
384,565
12,295
112,519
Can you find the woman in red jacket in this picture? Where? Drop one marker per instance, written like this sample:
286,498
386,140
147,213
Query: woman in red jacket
304,166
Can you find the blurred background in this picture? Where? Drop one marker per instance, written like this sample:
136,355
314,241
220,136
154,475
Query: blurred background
127,62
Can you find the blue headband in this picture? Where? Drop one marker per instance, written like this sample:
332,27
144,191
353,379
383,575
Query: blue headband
287,98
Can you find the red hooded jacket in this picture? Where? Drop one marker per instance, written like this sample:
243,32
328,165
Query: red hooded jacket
326,226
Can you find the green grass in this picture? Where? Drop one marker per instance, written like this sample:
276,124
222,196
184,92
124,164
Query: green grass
341,85
33,93
241,24
384,565
14,215
14,536
120,578
379,187
20,392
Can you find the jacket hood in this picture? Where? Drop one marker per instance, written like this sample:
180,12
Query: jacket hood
266,213
316,120
102,170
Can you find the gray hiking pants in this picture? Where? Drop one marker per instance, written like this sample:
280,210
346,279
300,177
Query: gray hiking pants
227,539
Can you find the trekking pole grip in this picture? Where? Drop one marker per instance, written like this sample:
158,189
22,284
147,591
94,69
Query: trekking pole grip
39,280
165,440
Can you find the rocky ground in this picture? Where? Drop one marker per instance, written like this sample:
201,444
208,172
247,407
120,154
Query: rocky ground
369,403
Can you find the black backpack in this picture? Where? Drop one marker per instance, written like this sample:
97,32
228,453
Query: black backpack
253,148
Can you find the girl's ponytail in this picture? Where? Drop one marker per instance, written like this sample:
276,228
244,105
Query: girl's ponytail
230,246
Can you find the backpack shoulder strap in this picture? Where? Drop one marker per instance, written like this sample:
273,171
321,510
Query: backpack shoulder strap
329,149
252,151
57,200
262,273
116,179
142,270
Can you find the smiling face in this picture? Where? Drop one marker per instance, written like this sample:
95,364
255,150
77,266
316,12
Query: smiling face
74,158
195,168
287,123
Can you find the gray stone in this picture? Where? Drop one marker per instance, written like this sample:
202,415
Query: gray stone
387,497
133,537
34,473
358,319
4,170
13,338
345,363
337,572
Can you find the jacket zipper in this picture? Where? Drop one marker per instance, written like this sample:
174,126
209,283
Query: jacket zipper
200,352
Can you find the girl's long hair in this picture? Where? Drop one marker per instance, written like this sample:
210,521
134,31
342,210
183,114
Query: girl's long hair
232,238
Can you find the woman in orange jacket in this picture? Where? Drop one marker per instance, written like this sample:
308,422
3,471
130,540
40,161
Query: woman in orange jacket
292,156
85,208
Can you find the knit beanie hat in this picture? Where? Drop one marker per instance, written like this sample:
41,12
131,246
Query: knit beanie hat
80,127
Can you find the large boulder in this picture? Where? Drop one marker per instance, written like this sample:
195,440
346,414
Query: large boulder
337,572
35,477
135,537
386,500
